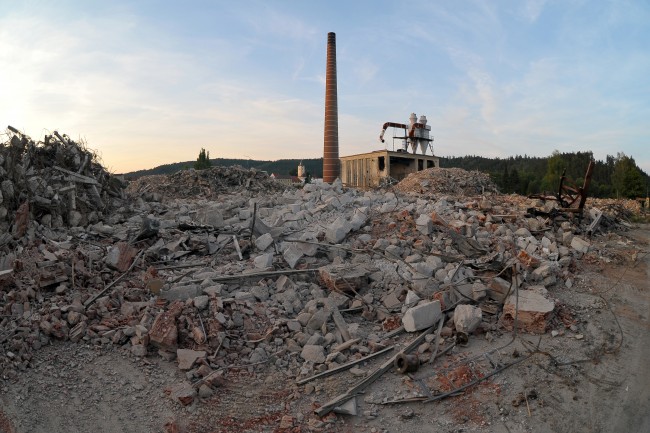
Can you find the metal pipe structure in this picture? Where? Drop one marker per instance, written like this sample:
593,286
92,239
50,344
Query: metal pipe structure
391,124
416,133
331,164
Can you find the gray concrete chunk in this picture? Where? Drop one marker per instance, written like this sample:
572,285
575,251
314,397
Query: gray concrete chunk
292,255
422,316
264,241
313,353
337,231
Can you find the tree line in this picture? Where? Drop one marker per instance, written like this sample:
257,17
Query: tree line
618,176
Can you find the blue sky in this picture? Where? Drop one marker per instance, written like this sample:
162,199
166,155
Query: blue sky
151,82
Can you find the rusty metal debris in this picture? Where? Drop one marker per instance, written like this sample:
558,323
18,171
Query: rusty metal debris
570,197
216,265
407,363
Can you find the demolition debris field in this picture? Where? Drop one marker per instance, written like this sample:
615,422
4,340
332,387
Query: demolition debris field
220,301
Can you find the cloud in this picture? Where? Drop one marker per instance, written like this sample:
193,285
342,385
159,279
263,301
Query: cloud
530,10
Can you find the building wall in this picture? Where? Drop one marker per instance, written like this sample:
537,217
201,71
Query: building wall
368,169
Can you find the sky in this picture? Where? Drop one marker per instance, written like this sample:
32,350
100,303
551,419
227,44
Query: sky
146,83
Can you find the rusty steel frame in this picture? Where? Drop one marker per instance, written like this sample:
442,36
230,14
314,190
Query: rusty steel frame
569,194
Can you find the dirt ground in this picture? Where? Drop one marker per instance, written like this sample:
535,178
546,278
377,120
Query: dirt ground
590,375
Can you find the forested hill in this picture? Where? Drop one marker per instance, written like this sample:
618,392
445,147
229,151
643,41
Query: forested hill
617,176
314,166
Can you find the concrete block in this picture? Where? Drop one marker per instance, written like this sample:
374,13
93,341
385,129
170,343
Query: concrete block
187,357
183,392
337,231
424,269
313,353
359,219
424,224
164,332
211,216
523,232
264,241
201,302
181,292
411,300
422,316
344,277
534,312
498,289
467,318
292,255
435,262
263,261
580,244
120,256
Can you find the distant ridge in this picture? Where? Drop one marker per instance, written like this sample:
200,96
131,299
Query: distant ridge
314,166
617,176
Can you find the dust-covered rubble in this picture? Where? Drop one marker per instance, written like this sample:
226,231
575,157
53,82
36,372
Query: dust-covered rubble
301,281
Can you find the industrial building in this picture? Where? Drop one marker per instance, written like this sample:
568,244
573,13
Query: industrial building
372,169
381,166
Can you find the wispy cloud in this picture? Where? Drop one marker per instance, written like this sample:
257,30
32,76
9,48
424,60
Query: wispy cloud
150,87
530,10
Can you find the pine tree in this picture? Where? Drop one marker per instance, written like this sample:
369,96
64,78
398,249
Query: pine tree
203,161
514,181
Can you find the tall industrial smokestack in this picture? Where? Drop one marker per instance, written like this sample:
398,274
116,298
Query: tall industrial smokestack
331,164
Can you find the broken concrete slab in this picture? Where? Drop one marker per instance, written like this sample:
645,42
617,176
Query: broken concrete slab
164,332
120,256
580,244
313,353
338,230
498,289
181,292
467,318
344,277
263,261
264,241
421,316
424,224
187,357
292,255
533,313
183,392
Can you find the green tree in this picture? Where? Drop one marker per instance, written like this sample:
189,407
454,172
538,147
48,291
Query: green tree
515,181
554,169
505,180
627,179
203,161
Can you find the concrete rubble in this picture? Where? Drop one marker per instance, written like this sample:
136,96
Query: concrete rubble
224,267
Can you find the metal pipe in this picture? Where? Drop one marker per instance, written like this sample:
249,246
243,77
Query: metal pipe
407,363
391,124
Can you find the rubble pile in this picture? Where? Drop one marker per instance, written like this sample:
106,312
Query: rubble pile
301,280
57,182
617,210
454,181
208,183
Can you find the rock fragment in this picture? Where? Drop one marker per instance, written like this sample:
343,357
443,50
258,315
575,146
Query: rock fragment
534,311
421,316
